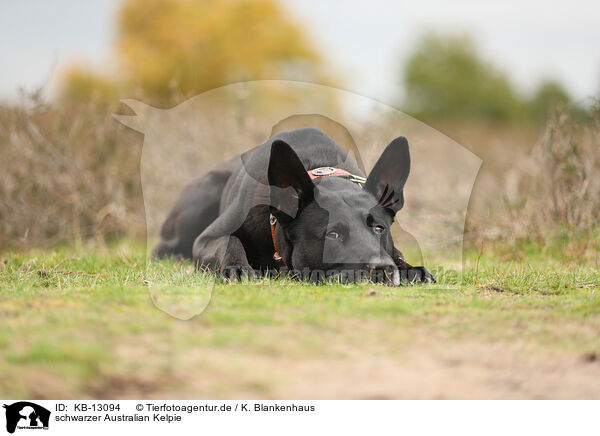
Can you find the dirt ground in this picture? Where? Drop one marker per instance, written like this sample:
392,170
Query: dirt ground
427,370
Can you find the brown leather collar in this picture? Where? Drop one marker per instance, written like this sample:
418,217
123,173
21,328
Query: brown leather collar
317,173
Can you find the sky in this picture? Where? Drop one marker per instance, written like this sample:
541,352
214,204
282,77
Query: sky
364,42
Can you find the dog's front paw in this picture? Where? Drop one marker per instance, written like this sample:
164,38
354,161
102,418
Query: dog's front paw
418,274
237,273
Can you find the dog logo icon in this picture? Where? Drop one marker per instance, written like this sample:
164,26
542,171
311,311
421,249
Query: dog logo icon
26,415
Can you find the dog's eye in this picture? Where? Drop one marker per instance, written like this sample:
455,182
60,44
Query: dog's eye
333,235
378,229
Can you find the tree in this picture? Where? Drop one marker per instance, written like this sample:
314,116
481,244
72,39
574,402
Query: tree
446,78
184,47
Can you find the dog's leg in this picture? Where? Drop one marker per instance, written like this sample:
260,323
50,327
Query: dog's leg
409,273
225,254
219,249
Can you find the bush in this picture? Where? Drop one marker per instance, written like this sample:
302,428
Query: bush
69,173
547,97
559,189
566,189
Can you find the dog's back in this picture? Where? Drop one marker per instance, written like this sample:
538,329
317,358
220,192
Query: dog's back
313,147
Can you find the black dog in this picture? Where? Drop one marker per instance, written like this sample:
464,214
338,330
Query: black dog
297,202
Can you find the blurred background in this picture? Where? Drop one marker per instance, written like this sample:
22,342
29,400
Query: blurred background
514,82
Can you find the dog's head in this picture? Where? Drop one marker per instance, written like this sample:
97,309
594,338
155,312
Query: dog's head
332,225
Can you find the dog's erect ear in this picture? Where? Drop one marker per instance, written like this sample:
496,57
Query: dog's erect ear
387,179
291,188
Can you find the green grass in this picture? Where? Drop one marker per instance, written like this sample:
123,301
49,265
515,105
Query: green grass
78,324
